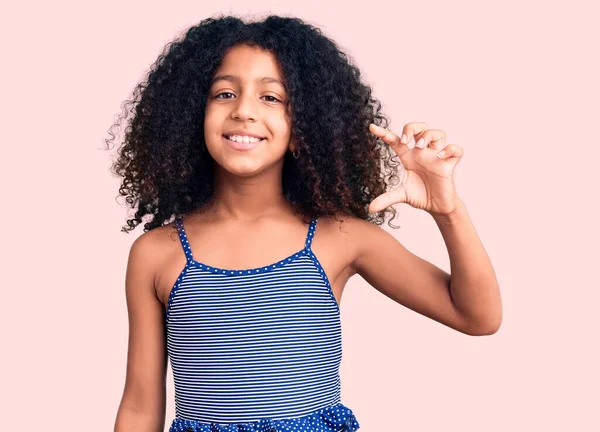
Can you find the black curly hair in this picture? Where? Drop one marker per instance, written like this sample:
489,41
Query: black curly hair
341,166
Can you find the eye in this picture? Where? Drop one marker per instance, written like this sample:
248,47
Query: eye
269,96
217,96
273,98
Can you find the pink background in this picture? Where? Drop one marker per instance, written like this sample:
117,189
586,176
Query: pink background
513,83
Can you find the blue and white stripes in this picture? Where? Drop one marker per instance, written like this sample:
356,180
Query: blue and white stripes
254,344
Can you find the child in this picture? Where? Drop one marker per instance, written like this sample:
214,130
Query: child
261,140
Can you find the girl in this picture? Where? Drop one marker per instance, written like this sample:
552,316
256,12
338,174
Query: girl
269,151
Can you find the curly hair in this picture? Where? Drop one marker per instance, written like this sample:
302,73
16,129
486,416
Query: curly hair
341,166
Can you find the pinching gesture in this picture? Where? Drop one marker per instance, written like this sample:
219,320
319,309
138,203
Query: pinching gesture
429,164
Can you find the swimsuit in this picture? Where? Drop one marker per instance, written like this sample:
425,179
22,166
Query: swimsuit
256,350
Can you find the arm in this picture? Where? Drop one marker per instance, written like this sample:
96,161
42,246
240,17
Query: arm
474,288
467,301
143,404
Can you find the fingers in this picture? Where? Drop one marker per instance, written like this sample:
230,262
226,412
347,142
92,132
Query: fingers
387,199
386,135
432,138
423,137
412,130
451,151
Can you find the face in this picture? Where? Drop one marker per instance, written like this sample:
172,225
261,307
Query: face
247,98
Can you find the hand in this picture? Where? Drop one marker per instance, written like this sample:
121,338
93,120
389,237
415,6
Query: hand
427,183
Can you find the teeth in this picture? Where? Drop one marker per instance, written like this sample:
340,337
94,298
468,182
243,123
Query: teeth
242,139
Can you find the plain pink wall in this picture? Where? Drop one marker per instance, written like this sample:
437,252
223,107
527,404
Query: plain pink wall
515,84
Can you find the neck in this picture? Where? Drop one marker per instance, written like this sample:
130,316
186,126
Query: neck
249,198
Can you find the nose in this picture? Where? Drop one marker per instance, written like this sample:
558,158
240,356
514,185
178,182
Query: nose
245,108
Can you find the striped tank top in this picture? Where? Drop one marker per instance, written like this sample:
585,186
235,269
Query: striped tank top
256,350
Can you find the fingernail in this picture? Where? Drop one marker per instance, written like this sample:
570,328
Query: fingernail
404,139
441,154
421,143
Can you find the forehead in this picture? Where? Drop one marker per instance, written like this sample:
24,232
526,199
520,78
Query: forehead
249,63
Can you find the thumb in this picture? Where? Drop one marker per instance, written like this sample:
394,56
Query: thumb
387,199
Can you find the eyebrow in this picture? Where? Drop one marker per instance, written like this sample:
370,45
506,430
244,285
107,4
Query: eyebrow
265,79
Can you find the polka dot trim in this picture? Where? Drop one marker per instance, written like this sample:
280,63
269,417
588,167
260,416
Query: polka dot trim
257,270
183,238
311,233
241,272
336,418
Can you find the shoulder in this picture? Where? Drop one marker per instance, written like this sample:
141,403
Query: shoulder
150,243
347,226
149,250
366,244
352,235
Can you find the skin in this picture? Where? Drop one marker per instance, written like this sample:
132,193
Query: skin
251,209
252,214
246,102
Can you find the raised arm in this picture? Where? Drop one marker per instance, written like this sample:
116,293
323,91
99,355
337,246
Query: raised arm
143,404
425,288
469,299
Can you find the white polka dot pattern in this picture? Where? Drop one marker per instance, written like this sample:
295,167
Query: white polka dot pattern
256,350
336,418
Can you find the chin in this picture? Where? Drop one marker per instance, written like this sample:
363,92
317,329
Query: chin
241,167
245,163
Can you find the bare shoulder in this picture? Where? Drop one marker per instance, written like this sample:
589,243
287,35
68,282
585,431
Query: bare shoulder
346,233
165,258
152,247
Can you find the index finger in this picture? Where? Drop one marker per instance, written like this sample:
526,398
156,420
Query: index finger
387,136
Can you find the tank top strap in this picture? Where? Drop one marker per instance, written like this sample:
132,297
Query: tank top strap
311,233
183,238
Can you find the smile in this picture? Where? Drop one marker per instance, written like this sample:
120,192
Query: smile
239,143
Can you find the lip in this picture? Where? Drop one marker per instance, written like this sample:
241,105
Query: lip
242,146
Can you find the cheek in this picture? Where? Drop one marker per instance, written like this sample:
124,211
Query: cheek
209,119
281,127
212,126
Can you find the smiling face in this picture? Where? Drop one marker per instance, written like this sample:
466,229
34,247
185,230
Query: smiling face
247,97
